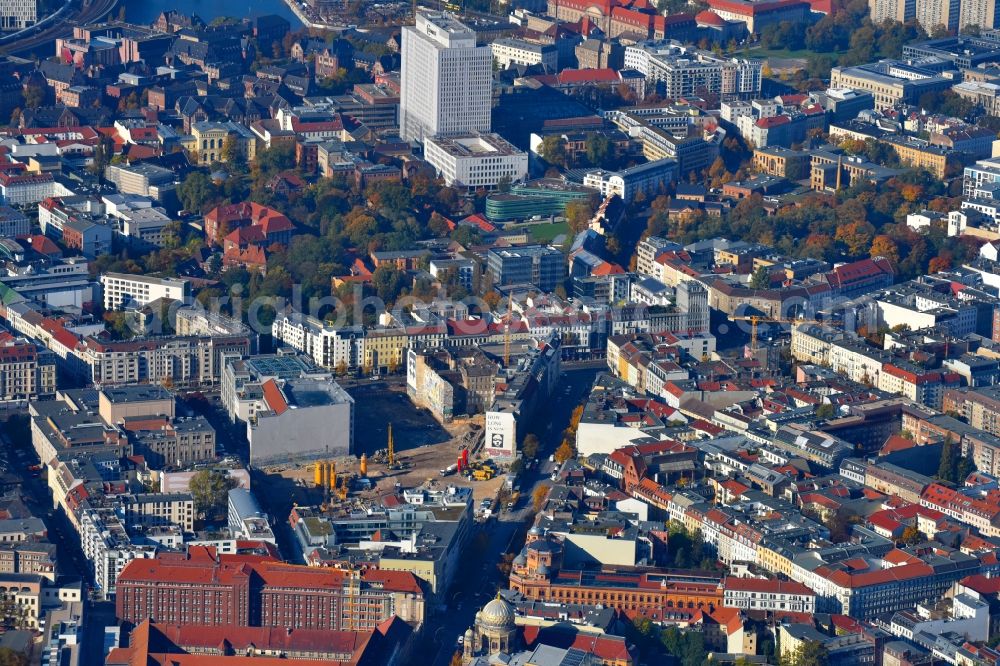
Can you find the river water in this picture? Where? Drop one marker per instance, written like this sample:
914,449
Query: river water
146,11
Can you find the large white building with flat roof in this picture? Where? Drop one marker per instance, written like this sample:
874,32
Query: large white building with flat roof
475,160
122,289
446,80
508,52
301,419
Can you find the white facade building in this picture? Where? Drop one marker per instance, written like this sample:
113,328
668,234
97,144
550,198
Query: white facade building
122,288
329,347
17,14
647,178
508,52
141,219
13,223
30,188
681,71
108,547
475,160
446,80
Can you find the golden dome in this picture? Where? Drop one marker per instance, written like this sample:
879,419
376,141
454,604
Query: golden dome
497,613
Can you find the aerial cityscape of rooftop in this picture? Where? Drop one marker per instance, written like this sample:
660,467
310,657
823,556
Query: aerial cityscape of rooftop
500,333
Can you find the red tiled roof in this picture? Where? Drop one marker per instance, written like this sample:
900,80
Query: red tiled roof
569,76
754,8
896,443
982,584
608,268
605,647
477,220
773,121
707,17
274,398
60,334
858,271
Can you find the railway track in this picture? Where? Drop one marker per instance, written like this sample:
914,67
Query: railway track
60,24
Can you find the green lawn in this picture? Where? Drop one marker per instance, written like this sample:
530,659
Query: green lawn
761,52
543,233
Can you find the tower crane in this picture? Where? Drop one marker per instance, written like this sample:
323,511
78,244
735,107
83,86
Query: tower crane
756,319
392,450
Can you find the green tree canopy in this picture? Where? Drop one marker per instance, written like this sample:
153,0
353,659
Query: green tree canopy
210,490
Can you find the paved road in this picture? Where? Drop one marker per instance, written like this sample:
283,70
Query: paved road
38,498
480,577
70,560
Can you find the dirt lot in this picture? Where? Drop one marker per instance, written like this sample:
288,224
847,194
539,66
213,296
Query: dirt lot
422,445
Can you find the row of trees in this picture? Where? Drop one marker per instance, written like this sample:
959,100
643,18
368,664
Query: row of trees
599,151
687,647
686,550
954,467
567,449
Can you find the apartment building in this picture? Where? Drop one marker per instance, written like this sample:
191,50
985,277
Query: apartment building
930,14
646,178
980,406
29,556
762,594
679,71
183,360
107,546
982,13
13,223
866,587
329,347
125,289
27,371
158,509
972,506
29,189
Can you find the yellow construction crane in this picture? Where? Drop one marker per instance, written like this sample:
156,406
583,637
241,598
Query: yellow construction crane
392,450
756,319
